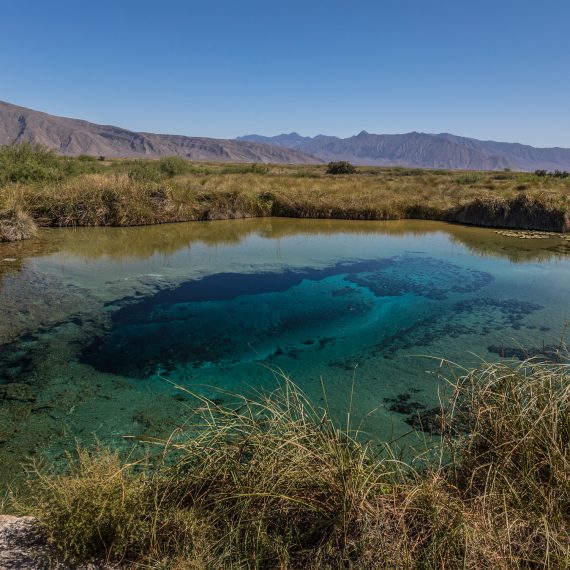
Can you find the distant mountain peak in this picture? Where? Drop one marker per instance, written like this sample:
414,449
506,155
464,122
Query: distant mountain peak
424,150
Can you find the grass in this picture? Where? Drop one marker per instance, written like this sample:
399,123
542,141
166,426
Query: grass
16,225
275,483
63,191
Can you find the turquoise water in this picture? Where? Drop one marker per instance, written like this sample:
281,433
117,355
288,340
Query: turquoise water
98,324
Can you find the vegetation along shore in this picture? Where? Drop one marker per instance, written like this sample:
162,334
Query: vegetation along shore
274,483
40,189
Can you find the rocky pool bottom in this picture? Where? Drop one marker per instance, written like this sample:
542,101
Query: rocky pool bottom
100,326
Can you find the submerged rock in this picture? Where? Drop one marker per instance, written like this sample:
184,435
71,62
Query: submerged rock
429,421
422,276
17,392
403,404
548,353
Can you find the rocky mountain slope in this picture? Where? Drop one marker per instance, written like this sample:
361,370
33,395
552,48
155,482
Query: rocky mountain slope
74,137
423,150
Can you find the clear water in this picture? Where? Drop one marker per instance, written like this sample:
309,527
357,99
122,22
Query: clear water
97,324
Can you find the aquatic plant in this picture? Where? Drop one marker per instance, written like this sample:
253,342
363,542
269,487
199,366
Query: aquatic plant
274,483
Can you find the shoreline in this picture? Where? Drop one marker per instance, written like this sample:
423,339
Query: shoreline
518,215
122,193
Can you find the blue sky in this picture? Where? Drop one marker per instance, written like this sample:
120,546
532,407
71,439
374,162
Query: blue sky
487,69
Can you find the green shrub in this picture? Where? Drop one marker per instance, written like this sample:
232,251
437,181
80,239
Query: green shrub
505,175
26,163
171,166
145,171
340,167
70,166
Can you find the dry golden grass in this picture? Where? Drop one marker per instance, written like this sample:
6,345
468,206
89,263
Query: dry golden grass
124,194
274,483
16,225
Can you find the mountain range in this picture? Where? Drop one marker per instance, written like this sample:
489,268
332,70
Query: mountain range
74,136
423,150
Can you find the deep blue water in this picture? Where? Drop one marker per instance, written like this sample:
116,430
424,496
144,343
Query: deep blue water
231,318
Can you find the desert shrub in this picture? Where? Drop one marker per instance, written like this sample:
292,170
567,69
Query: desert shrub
340,167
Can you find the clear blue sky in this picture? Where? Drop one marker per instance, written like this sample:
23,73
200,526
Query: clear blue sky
495,69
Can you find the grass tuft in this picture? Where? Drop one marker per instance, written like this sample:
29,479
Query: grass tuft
275,483
16,225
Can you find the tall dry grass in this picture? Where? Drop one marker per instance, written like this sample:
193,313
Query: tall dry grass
275,483
125,193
